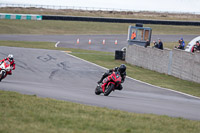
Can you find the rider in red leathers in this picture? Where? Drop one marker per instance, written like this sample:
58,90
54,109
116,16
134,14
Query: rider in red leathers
121,70
12,64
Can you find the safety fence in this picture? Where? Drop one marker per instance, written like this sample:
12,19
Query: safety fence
85,8
178,63
20,16
57,7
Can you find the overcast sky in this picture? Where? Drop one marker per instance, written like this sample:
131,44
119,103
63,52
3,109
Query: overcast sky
148,5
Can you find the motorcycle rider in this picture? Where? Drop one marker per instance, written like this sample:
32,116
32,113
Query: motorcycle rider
12,64
121,70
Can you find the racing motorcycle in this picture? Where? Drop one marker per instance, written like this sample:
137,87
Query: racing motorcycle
109,84
4,68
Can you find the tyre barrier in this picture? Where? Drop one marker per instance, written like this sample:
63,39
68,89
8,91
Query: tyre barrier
20,16
95,19
118,20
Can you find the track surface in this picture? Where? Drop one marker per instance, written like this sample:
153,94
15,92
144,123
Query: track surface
70,41
55,74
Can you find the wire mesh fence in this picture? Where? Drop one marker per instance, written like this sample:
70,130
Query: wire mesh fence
62,7
82,8
98,9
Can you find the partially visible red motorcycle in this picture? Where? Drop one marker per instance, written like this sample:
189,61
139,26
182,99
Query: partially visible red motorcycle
4,68
109,84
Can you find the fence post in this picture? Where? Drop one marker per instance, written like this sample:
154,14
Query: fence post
170,62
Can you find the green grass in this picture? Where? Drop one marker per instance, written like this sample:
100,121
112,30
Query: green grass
106,59
30,114
74,27
46,45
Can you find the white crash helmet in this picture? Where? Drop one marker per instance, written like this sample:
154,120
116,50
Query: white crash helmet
10,57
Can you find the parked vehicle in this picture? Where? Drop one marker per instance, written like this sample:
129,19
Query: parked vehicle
191,44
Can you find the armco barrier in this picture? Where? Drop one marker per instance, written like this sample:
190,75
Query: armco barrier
174,62
117,20
20,16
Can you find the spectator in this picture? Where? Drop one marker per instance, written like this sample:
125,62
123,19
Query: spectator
133,36
160,44
180,46
155,44
196,47
147,43
182,43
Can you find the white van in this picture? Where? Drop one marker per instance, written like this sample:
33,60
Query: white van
191,44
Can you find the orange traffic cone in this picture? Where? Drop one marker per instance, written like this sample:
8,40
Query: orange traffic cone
77,41
104,41
89,42
115,42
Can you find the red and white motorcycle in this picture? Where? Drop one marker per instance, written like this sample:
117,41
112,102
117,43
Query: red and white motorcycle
109,84
4,68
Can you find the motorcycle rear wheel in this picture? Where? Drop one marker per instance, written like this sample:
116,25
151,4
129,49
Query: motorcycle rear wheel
108,89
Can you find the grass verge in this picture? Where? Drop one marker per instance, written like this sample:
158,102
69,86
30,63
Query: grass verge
74,27
115,14
25,113
106,59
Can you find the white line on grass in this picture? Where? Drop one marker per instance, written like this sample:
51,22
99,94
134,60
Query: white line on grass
136,79
56,45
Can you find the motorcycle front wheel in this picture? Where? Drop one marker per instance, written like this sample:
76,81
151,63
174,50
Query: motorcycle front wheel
2,75
97,90
108,89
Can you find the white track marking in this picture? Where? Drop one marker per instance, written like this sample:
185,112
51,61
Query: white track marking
136,79
164,88
56,45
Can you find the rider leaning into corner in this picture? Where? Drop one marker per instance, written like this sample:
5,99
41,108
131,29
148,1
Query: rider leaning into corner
12,64
121,70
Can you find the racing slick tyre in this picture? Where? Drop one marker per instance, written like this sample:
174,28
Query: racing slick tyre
2,75
97,90
108,89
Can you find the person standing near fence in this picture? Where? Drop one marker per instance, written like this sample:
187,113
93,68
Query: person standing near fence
147,43
180,46
196,47
155,44
182,43
133,36
160,44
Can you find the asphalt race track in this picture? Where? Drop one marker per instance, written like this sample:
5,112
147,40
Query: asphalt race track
55,74
70,41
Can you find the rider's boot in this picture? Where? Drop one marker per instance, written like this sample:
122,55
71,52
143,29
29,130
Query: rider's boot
100,81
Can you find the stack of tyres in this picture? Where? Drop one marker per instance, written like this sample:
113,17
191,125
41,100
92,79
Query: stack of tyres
119,55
